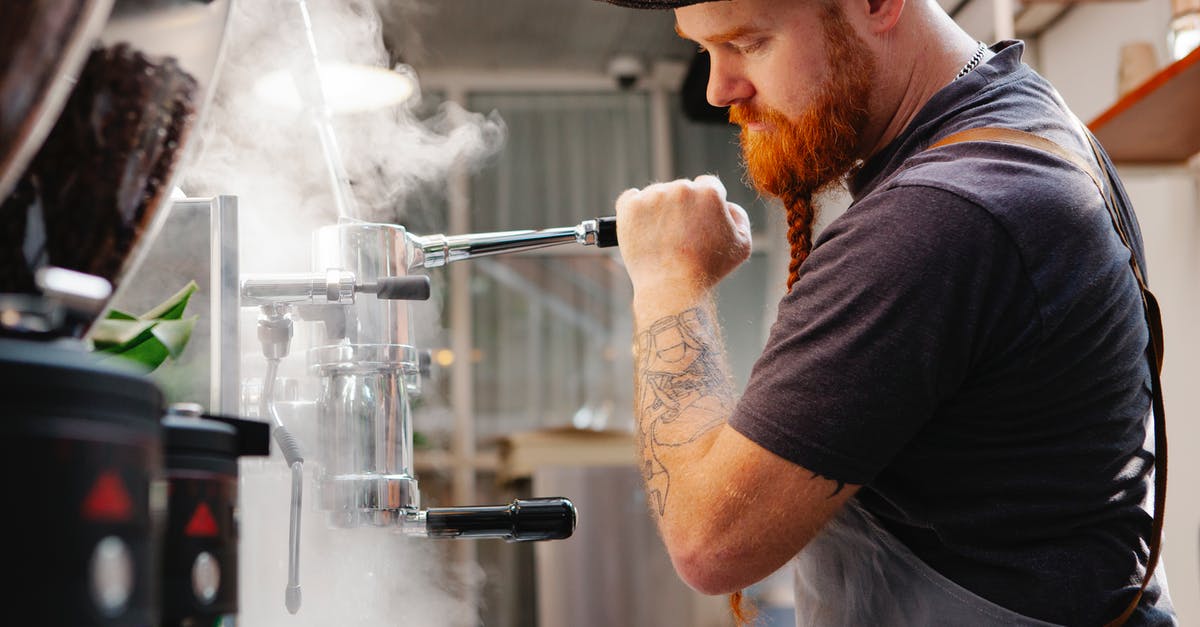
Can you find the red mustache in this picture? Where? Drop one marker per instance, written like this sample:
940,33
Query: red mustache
743,114
740,115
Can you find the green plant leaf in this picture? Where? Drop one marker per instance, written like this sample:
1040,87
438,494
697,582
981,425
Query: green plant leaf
116,314
114,332
174,334
172,308
146,355
146,341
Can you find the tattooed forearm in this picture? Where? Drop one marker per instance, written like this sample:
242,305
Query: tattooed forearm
681,391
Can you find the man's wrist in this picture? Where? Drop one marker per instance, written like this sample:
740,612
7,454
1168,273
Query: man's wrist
653,302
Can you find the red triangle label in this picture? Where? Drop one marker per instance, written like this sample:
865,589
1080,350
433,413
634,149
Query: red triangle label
108,501
202,524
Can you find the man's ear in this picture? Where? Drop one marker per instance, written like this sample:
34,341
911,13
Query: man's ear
882,15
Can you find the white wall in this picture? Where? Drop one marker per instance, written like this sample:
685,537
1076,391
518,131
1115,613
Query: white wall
1080,53
1080,56
1166,201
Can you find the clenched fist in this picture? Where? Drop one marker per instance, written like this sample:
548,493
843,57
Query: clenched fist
682,235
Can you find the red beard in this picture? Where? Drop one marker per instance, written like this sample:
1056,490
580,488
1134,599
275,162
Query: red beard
795,159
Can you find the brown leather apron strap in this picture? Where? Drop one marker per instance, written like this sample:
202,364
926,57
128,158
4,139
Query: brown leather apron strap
1154,351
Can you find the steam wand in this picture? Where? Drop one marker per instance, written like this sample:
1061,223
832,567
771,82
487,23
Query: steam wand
275,334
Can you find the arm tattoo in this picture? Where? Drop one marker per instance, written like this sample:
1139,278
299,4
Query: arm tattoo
681,392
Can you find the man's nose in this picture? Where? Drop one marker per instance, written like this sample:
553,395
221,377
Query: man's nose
726,85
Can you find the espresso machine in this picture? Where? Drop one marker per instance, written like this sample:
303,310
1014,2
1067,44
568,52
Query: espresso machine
78,219
356,304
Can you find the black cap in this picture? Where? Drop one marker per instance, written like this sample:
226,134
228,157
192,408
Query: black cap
655,4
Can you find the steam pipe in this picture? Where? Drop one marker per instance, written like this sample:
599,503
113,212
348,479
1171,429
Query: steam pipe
291,594
439,250
275,334
306,74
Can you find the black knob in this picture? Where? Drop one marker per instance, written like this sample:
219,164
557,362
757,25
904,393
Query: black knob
550,518
414,287
606,232
425,362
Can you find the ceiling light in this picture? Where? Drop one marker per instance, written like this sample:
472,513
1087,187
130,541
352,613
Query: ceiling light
348,88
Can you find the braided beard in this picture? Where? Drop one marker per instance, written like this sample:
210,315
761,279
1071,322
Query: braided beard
795,159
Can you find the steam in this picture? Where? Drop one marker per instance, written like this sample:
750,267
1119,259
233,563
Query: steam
271,160
351,578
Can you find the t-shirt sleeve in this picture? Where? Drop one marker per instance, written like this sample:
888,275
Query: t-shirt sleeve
883,324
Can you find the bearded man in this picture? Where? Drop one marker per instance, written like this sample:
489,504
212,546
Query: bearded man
948,423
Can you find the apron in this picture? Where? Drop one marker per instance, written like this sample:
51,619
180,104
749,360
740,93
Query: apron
857,573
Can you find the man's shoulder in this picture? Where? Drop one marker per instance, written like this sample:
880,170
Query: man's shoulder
1014,184
909,232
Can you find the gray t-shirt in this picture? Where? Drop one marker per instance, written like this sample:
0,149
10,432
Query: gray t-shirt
967,341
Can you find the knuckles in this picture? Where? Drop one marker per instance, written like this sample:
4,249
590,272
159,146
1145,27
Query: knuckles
681,195
683,227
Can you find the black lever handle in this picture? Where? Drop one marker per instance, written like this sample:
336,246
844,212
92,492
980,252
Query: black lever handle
523,520
606,232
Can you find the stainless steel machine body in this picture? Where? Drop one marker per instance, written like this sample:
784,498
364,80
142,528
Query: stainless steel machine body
368,368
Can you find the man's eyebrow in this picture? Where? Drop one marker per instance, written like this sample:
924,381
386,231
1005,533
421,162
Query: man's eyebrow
720,38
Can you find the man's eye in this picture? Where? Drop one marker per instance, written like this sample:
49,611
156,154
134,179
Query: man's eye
748,47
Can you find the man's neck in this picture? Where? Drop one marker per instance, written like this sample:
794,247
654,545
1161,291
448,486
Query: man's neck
914,65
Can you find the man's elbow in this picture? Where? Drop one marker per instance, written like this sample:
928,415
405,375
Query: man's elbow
704,575
727,561
711,571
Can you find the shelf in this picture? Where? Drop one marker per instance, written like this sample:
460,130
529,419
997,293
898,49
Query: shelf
522,453
1159,121
443,461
